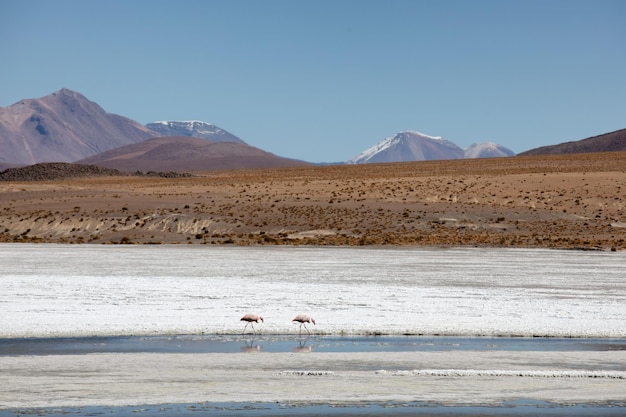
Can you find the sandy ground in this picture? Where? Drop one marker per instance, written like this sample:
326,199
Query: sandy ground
448,378
570,201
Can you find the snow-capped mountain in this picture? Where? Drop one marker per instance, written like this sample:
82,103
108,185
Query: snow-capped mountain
195,129
415,146
409,146
487,150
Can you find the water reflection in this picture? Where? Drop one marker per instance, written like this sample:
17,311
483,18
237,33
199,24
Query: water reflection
302,347
251,346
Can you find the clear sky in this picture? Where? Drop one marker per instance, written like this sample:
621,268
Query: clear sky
324,80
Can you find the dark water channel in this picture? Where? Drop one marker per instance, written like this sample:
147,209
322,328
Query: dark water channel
519,408
286,343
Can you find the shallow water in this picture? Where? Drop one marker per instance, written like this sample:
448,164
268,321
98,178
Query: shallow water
510,409
272,343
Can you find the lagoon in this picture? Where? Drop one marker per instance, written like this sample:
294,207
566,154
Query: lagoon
400,331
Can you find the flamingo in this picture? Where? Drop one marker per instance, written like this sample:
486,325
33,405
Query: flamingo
303,319
250,318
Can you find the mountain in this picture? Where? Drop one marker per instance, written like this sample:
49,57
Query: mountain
608,142
187,154
487,150
409,146
62,127
195,129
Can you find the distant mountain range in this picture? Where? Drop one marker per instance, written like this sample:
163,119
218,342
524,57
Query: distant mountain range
416,146
66,127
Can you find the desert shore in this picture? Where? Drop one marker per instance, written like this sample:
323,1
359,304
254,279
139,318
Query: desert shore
567,201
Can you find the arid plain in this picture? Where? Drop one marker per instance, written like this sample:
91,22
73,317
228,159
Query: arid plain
572,201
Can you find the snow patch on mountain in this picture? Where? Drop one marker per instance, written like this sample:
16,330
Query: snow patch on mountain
193,128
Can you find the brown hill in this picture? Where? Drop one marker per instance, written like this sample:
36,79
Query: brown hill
608,142
187,154
62,127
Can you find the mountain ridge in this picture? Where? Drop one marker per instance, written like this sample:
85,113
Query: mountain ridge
67,127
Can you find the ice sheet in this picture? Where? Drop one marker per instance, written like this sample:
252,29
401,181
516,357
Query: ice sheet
72,290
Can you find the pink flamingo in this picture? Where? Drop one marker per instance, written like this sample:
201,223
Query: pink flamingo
251,318
303,319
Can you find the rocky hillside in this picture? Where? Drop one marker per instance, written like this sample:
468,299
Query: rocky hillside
49,171
52,171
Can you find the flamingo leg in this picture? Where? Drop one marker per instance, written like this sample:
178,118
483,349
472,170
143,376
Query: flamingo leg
307,329
244,329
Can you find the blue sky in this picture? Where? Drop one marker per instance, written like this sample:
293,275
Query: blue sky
324,80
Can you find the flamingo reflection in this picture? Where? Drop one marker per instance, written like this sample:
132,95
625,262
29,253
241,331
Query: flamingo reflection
302,347
251,347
